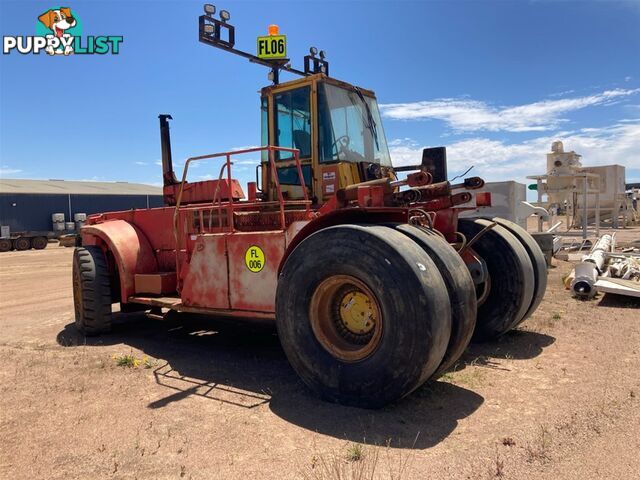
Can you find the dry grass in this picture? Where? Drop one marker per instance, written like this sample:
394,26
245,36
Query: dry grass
131,361
539,450
358,462
355,452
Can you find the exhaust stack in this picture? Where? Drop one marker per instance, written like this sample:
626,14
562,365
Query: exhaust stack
168,175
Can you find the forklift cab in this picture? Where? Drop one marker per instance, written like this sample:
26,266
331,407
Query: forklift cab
335,126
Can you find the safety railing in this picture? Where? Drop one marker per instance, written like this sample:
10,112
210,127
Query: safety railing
229,205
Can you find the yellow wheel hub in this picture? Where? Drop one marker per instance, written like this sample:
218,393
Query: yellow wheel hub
357,312
346,318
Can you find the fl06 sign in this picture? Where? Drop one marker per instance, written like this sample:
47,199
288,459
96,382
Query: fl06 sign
272,47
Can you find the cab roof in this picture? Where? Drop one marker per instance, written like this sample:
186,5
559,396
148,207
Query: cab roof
317,77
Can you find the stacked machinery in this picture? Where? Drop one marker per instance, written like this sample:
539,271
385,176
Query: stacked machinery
584,194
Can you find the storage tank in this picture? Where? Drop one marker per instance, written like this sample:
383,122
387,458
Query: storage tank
564,186
612,191
506,198
79,219
57,220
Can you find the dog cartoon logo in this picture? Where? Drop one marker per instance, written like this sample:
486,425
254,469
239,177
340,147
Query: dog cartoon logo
59,21
58,31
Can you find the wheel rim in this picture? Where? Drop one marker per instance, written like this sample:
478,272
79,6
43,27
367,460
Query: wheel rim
22,244
346,318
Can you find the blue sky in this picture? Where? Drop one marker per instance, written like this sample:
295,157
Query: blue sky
496,82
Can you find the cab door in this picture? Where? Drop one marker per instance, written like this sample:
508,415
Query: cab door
289,112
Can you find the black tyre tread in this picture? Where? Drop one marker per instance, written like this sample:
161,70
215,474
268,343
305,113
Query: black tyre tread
39,243
460,286
512,278
91,266
409,288
537,259
6,245
22,244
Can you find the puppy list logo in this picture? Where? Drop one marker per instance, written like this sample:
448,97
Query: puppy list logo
59,32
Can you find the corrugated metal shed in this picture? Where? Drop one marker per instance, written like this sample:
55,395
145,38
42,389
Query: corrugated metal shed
27,205
66,187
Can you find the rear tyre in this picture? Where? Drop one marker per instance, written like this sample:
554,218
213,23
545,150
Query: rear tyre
5,245
508,292
537,260
39,243
91,291
363,314
462,293
22,243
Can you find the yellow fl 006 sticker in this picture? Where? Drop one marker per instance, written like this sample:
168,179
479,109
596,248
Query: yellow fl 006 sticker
254,259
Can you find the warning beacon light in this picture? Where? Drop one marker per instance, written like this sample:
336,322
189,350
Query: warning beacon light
273,29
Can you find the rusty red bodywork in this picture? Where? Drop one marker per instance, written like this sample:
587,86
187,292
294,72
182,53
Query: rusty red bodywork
198,246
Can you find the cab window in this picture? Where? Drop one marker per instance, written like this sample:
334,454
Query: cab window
292,110
349,127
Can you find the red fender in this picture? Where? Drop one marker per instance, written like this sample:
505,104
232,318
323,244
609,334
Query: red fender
130,248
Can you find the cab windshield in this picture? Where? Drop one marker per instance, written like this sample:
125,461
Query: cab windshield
349,127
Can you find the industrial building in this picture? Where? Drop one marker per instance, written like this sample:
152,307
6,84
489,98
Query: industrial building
28,205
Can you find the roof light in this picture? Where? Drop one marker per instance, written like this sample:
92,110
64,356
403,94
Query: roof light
209,9
225,16
273,29
322,54
313,51
208,28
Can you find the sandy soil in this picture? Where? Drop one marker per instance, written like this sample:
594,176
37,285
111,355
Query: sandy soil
556,399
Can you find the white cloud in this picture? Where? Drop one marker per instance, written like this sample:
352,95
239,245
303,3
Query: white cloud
497,160
141,163
7,170
245,147
474,115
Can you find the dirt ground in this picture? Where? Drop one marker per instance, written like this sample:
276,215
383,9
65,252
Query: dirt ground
558,398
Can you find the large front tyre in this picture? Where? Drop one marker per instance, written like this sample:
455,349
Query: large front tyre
91,291
363,314
462,294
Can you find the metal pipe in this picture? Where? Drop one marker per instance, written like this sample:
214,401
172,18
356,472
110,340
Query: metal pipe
592,265
168,175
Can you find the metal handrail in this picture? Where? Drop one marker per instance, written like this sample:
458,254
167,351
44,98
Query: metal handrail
230,204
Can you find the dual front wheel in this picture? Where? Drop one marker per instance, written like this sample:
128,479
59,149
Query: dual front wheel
367,313
362,314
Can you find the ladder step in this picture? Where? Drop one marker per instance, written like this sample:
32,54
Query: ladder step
155,283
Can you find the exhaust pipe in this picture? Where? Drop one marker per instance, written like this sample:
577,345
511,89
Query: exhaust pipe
168,175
